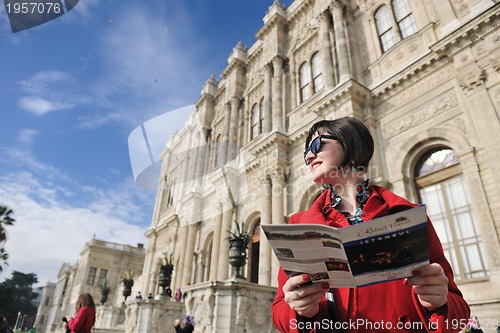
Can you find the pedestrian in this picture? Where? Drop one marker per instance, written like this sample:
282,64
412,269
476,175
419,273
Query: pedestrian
337,153
185,325
85,315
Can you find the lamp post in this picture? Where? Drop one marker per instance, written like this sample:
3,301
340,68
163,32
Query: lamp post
17,320
22,322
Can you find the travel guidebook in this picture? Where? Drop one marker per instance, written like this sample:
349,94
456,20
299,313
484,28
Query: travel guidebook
383,249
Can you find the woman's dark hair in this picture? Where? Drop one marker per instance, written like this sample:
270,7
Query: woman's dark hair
84,300
353,136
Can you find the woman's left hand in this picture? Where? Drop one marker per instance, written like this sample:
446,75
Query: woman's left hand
431,285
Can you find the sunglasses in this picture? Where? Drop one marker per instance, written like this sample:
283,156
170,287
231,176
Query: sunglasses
316,145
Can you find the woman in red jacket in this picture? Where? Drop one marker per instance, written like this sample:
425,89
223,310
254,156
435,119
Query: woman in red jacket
85,315
337,154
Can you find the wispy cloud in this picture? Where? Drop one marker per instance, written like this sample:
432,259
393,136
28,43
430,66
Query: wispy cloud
52,227
26,136
39,106
48,91
151,67
41,82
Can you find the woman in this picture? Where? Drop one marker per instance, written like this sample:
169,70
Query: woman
337,154
85,315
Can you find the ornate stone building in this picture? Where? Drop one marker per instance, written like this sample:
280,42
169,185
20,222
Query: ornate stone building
424,77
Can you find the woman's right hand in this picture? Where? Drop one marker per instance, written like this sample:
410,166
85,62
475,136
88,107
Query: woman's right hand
304,299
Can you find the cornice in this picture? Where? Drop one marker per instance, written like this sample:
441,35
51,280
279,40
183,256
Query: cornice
350,90
301,8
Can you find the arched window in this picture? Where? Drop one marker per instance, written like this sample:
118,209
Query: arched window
253,274
384,28
310,77
442,188
404,18
256,121
394,24
316,72
305,80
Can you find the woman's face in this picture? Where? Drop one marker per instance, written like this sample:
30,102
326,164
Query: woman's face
324,165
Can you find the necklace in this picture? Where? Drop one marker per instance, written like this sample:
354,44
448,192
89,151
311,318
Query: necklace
362,195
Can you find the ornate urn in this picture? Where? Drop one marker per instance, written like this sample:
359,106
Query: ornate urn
238,243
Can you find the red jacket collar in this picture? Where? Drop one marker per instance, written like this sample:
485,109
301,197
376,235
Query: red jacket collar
380,203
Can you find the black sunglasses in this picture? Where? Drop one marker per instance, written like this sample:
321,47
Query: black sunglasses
316,145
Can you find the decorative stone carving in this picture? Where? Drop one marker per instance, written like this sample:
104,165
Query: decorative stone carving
472,78
423,113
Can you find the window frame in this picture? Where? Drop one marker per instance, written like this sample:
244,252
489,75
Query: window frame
439,178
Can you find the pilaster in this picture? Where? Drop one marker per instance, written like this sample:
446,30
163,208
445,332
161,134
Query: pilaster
486,126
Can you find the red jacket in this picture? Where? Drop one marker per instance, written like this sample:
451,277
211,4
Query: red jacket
83,321
383,307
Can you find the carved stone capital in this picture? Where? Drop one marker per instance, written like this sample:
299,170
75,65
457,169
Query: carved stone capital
472,78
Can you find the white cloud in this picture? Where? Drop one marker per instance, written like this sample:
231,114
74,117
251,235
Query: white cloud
55,220
26,136
39,106
41,82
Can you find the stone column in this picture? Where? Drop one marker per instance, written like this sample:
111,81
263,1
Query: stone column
247,126
278,180
188,255
233,129
177,279
181,189
214,261
278,94
265,247
341,41
326,50
267,121
225,136
200,161
223,267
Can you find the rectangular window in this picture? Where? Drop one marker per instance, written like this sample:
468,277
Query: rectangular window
102,276
91,278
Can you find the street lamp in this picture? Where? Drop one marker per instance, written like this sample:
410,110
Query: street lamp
17,320
21,323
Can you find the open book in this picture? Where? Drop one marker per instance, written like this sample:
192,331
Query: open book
382,249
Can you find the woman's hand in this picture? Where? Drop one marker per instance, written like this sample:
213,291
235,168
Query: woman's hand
69,318
304,299
430,284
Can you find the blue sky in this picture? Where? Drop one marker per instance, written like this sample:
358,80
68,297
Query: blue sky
73,89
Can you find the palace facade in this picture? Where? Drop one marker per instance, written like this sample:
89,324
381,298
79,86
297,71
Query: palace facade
424,77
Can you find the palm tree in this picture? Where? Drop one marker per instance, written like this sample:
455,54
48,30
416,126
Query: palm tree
5,220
